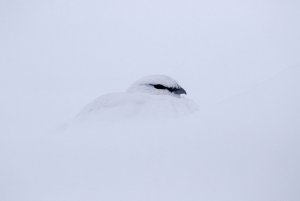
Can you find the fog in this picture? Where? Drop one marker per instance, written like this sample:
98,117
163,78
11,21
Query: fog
238,60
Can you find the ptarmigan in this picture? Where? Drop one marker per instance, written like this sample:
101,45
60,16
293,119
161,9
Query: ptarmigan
153,96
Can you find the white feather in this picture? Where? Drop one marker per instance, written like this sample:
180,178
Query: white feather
142,100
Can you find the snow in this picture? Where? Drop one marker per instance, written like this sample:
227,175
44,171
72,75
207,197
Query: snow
238,61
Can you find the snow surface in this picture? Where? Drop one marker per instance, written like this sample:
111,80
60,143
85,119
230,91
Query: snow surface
239,61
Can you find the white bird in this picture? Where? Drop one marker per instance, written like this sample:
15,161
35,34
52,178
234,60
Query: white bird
158,85
152,96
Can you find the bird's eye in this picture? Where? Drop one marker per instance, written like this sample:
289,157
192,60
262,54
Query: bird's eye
170,89
159,86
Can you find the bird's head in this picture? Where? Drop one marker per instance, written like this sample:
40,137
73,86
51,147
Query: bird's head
158,85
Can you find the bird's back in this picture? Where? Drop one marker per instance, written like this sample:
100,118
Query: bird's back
136,105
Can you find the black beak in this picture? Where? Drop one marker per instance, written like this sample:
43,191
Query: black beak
179,91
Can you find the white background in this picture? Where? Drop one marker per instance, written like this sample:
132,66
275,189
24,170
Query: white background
239,60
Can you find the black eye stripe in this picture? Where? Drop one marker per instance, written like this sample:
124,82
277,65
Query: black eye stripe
159,86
